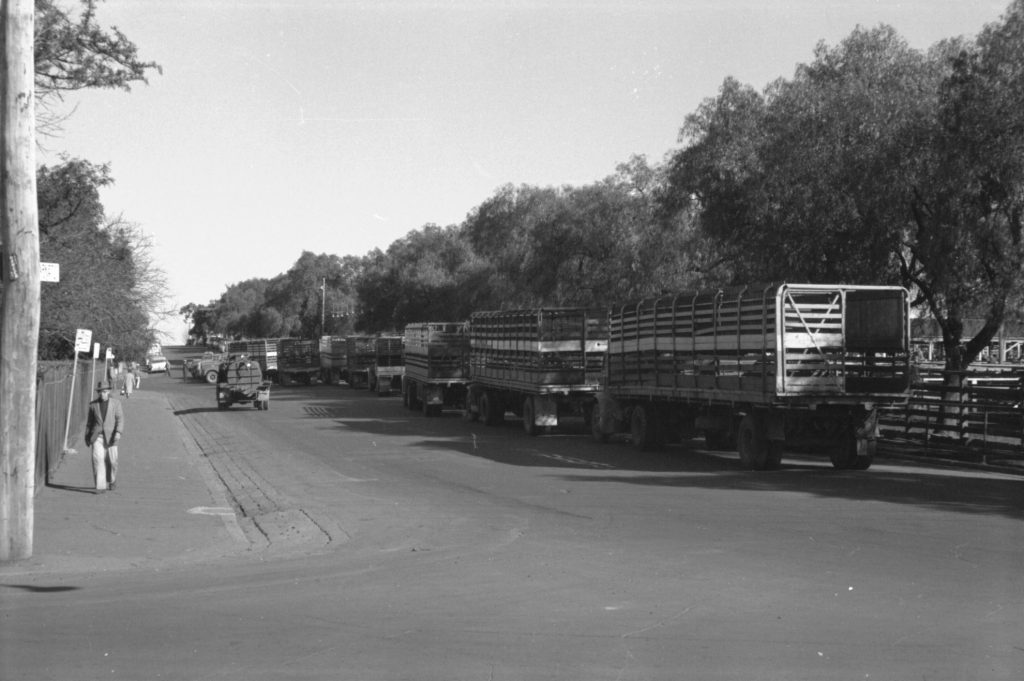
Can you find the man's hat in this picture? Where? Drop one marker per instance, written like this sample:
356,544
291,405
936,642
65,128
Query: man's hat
102,385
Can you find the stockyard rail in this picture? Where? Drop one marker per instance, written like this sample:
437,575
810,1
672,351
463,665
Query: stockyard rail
976,415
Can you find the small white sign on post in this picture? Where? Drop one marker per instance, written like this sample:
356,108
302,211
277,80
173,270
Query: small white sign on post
110,354
49,271
95,350
83,340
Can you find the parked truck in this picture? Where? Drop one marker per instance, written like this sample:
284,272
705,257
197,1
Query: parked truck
388,365
540,364
758,369
333,359
360,358
436,366
262,350
204,368
297,361
241,381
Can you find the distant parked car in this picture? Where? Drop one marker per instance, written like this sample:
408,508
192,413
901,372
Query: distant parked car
156,363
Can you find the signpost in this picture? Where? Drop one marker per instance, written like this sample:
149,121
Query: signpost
83,343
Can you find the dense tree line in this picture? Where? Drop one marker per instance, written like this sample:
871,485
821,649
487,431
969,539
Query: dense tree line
876,163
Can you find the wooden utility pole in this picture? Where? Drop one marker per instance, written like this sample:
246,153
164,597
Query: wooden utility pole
19,307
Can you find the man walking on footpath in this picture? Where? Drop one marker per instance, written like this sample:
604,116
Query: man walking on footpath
103,430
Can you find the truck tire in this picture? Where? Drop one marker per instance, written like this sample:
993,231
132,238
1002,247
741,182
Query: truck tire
644,429
751,443
211,376
530,417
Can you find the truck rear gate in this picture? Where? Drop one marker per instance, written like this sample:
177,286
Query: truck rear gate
360,358
297,360
786,355
388,365
538,363
333,359
436,366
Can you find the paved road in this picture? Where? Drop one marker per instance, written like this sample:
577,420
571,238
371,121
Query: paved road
384,545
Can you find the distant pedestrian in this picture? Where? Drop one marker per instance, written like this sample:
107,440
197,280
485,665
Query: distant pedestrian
103,430
128,384
137,371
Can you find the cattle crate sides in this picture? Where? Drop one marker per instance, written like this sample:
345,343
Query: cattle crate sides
757,369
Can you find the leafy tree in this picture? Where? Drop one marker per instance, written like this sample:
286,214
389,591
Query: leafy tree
964,249
429,275
72,52
876,163
108,283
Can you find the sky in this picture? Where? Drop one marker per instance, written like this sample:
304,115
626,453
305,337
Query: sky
283,126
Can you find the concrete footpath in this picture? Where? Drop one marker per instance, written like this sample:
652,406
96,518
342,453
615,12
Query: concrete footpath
169,507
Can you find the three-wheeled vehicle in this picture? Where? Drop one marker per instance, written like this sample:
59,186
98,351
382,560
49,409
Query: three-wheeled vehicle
240,381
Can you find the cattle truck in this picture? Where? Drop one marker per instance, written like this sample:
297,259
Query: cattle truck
541,364
360,358
297,361
436,366
758,369
333,359
388,364
262,350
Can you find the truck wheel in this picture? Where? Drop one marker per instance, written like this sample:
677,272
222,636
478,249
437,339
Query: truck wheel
211,376
752,444
595,424
643,430
266,405
426,408
223,405
530,417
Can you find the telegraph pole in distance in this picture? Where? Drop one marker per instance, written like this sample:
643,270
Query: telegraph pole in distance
19,258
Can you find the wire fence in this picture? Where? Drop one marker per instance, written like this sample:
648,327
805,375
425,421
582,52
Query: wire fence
61,410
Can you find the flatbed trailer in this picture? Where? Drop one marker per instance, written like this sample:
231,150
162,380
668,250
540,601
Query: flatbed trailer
758,368
333,359
541,364
297,361
436,366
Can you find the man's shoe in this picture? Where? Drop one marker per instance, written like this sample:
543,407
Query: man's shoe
112,486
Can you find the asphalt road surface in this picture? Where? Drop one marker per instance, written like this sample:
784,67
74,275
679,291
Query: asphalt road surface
391,546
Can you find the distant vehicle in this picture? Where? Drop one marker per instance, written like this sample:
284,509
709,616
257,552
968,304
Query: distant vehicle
156,364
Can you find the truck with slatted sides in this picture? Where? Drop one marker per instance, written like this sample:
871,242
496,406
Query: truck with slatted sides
436,366
360,359
388,365
298,361
542,364
261,350
759,369
333,359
